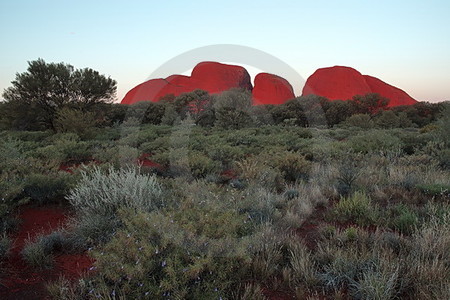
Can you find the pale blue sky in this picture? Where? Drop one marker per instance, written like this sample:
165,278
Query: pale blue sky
405,43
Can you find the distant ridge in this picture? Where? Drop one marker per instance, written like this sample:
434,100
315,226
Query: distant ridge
333,83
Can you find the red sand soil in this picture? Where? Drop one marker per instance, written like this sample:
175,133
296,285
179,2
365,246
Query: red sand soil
70,166
19,280
145,161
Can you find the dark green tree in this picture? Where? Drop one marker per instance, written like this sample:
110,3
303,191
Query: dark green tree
37,94
370,103
233,109
338,111
292,112
421,113
193,103
387,119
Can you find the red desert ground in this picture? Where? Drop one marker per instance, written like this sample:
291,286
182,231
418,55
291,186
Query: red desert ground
334,83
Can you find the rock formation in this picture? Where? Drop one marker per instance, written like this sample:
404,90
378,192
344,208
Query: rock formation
342,83
212,77
271,89
334,83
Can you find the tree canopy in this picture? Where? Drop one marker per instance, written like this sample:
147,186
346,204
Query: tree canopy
46,88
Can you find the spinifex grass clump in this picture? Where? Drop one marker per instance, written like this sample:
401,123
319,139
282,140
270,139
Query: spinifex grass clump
357,208
5,245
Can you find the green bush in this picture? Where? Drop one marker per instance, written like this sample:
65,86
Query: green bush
360,120
47,187
303,266
116,155
160,262
357,208
293,166
348,173
226,154
434,189
40,251
64,147
376,285
387,119
201,165
5,246
404,219
373,141
89,230
35,254
233,109
77,121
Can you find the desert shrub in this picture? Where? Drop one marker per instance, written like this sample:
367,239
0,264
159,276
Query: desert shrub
77,121
160,262
387,119
107,134
303,266
443,159
250,168
357,208
64,147
47,187
11,188
233,109
259,205
433,238
435,189
267,261
39,251
293,166
91,229
387,265
201,165
428,128
348,173
116,155
66,289
352,258
103,193
252,292
427,271
359,120
35,254
158,144
15,167
226,154
404,219
5,246
343,269
53,242
376,285
373,141
291,194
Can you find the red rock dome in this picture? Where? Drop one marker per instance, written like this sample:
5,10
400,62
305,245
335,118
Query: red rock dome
396,95
215,77
342,83
212,77
336,83
271,89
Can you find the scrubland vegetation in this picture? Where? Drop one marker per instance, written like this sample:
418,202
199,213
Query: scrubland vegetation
308,200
